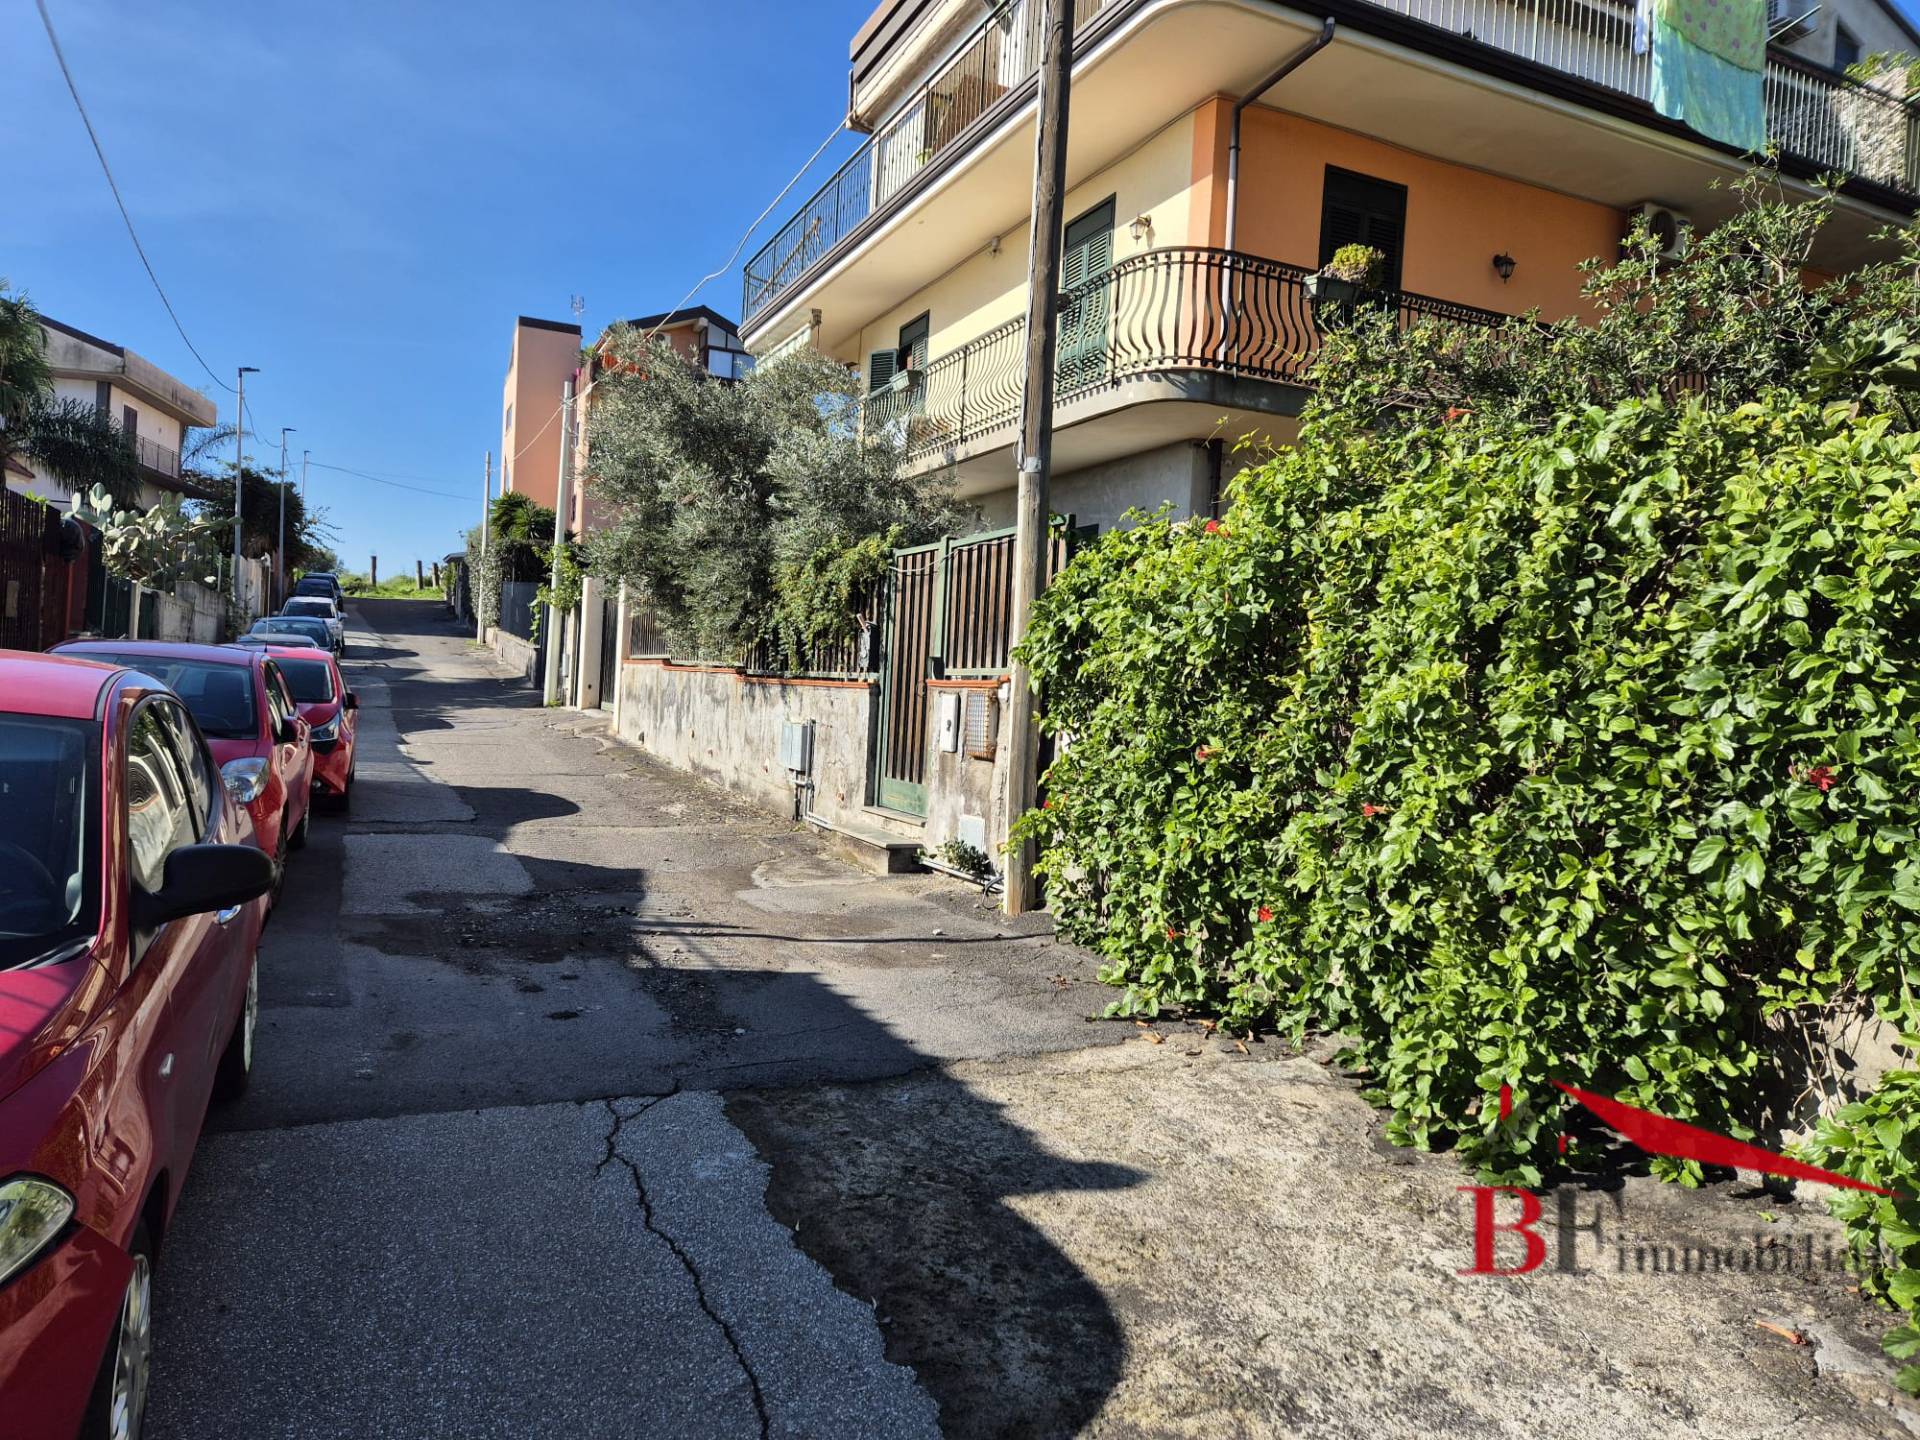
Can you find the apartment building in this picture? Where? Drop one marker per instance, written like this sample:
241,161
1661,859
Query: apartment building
1485,147
153,409
544,356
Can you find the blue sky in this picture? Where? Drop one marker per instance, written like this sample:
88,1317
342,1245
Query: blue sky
359,197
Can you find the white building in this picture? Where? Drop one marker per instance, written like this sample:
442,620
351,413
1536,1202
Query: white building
151,407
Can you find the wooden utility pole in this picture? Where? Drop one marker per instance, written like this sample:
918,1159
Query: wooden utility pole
419,574
373,572
1033,511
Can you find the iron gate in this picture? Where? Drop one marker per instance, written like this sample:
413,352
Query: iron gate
912,596
610,638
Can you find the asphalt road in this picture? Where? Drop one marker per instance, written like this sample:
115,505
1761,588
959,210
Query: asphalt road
483,1183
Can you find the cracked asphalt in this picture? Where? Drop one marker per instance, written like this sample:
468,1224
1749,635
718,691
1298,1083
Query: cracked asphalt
482,1184
590,1103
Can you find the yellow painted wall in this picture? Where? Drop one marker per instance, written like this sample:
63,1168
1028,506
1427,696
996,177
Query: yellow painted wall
1458,219
987,289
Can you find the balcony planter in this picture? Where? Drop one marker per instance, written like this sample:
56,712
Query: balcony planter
1331,290
1338,287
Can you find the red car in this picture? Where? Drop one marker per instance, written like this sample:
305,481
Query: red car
331,713
251,722
130,913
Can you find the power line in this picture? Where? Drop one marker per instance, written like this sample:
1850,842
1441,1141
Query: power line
382,480
107,170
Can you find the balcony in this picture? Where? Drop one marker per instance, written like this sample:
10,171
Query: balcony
1169,317
1578,53
157,458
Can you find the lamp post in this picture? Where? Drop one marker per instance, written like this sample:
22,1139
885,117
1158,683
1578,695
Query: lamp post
240,478
280,553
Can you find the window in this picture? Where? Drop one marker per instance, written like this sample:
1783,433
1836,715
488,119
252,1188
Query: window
312,680
194,765
509,420
883,365
1846,48
158,798
279,703
50,812
1359,210
220,697
129,421
1086,254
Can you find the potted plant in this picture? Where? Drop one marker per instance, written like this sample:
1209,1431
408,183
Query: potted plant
1339,284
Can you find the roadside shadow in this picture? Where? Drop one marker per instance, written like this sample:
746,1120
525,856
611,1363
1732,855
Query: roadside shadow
899,1189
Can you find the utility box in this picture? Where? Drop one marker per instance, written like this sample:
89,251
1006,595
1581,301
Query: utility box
796,746
949,721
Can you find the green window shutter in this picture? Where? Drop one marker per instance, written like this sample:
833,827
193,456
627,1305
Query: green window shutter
880,368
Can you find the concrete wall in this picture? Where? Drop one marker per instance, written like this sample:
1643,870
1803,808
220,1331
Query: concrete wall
516,653
1102,494
725,727
192,614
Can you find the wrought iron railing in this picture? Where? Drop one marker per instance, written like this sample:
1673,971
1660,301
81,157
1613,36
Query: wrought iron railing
1183,308
1814,113
998,56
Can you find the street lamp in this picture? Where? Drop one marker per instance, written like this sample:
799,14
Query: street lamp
280,554
240,478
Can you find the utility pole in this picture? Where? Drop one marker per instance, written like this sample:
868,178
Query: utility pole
486,508
303,478
550,686
280,554
240,480
1032,510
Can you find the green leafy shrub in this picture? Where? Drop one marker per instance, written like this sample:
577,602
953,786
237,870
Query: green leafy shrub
1513,757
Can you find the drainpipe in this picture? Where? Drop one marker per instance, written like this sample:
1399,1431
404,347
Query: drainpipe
1293,62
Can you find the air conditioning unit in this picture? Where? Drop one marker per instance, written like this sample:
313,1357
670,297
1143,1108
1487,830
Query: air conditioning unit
1790,19
1670,229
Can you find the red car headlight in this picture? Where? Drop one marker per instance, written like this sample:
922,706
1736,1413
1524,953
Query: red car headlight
33,1212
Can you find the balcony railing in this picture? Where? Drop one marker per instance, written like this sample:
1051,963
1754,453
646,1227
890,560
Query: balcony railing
995,58
157,457
1183,308
1813,113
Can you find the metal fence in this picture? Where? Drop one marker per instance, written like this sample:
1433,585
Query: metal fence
33,577
518,608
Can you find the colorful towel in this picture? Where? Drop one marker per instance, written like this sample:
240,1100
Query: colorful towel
1709,66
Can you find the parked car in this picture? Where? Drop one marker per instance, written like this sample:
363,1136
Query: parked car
321,582
331,711
243,706
130,916
319,607
280,627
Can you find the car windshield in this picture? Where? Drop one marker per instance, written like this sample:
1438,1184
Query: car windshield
49,834
310,680
291,625
220,696
313,606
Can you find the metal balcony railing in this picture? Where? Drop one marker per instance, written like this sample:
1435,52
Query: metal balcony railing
157,457
1183,308
1813,113
995,58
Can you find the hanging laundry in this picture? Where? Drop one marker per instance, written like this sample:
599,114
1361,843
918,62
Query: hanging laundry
1709,67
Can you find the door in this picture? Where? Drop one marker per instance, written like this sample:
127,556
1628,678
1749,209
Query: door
610,638
1360,210
1086,255
901,781
292,759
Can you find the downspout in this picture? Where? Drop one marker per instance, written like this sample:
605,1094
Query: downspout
1293,62
1229,309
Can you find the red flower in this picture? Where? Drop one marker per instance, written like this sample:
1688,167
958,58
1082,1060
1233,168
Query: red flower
1213,527
1172,934
1265,915
1369,810
1823,777
1454,412
1205,752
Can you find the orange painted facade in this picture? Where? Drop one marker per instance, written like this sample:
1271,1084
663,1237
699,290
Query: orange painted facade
1458,219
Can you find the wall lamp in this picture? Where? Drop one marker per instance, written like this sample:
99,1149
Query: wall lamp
1503,262
1140,227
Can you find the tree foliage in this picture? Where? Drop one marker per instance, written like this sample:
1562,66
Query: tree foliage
308,534
1550,711
719,490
